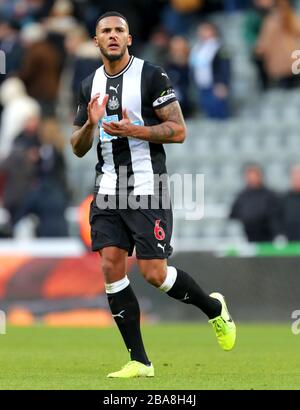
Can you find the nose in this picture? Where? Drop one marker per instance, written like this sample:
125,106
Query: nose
113,35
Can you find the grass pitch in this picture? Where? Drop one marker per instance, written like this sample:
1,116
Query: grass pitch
185,356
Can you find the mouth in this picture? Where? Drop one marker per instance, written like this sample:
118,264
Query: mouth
113,46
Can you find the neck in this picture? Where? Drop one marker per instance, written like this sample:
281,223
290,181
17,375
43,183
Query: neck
115,67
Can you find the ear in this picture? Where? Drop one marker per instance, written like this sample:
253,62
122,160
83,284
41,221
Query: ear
129,42
96,41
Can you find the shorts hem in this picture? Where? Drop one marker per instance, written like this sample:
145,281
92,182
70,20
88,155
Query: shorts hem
117,245
148,257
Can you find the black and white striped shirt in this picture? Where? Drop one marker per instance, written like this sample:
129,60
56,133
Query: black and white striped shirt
141,88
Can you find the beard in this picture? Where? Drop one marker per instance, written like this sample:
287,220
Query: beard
113,57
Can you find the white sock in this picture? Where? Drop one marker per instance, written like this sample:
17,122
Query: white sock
117,286
170,279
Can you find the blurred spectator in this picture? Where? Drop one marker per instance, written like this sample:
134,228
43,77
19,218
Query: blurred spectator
142,15
82,59
35,182
253,23
290,208
88,13
19,169
177,67
26,11
157,48
18,109
211,67
257,207
10,44
61,18
50,197
179,15
41,68
279,37
235,5
58,24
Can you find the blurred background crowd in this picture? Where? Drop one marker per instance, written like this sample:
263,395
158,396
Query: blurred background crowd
230,63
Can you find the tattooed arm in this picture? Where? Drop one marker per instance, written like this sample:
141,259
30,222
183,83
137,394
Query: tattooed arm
171,129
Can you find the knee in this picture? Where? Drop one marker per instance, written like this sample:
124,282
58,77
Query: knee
154,275
110,270
113,264
107,266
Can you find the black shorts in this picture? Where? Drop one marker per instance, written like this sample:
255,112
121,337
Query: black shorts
148,230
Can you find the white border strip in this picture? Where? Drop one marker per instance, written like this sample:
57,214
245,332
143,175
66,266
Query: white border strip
53,248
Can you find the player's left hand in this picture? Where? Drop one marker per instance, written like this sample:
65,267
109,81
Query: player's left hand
123,128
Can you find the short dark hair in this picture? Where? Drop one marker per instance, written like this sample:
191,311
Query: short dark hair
111,14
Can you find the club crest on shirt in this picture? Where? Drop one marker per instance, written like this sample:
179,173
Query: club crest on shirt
113,103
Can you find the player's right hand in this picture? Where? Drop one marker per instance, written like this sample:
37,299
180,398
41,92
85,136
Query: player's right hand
96,111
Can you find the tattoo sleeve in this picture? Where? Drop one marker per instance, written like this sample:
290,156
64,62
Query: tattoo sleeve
171,130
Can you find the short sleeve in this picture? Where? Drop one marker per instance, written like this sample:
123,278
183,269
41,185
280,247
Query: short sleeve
81,114
162,91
